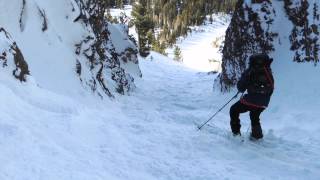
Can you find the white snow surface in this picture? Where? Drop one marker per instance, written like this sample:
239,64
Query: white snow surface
197,48
46,134
150,134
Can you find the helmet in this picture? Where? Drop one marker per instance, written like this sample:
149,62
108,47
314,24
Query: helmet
260,60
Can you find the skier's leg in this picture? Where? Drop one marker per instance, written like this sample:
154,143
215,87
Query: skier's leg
256,131
235,111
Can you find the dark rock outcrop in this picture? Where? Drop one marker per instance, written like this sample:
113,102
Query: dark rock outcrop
11,56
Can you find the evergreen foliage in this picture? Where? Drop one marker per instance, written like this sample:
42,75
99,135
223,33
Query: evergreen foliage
177,54
144,26
118,3
174,18
171,18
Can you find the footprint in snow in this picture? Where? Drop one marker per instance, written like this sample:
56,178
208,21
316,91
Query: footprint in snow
7,130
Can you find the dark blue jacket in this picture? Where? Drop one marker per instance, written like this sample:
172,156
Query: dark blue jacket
252,98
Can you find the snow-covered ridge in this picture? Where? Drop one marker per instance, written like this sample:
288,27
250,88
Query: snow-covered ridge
63,50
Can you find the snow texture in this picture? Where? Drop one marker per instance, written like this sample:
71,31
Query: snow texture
151,134
49,132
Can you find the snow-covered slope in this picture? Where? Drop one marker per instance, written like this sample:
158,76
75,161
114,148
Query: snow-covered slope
201,48
47,132
61,48
149,135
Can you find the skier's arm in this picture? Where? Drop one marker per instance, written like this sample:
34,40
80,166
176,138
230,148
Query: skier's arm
242,84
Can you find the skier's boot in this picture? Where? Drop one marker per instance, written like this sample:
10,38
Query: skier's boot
237,134
256,133
235,128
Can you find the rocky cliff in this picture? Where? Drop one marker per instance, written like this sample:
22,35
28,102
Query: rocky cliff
269,26
65,45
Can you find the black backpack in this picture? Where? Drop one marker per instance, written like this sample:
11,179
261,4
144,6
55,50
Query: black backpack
260,75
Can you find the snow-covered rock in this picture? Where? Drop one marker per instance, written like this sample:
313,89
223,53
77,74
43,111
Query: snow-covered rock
304,37
11,58
271,27
69,46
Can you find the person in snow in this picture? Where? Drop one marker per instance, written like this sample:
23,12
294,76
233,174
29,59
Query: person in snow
258,81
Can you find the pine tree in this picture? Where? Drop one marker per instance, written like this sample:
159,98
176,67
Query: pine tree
144,25
159,47
174,17
177,54
119,4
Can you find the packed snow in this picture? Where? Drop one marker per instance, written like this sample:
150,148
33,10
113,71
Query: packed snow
49,134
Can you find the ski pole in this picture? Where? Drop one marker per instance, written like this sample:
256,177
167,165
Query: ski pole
235,96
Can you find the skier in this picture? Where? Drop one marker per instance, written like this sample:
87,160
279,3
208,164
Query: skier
259,83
